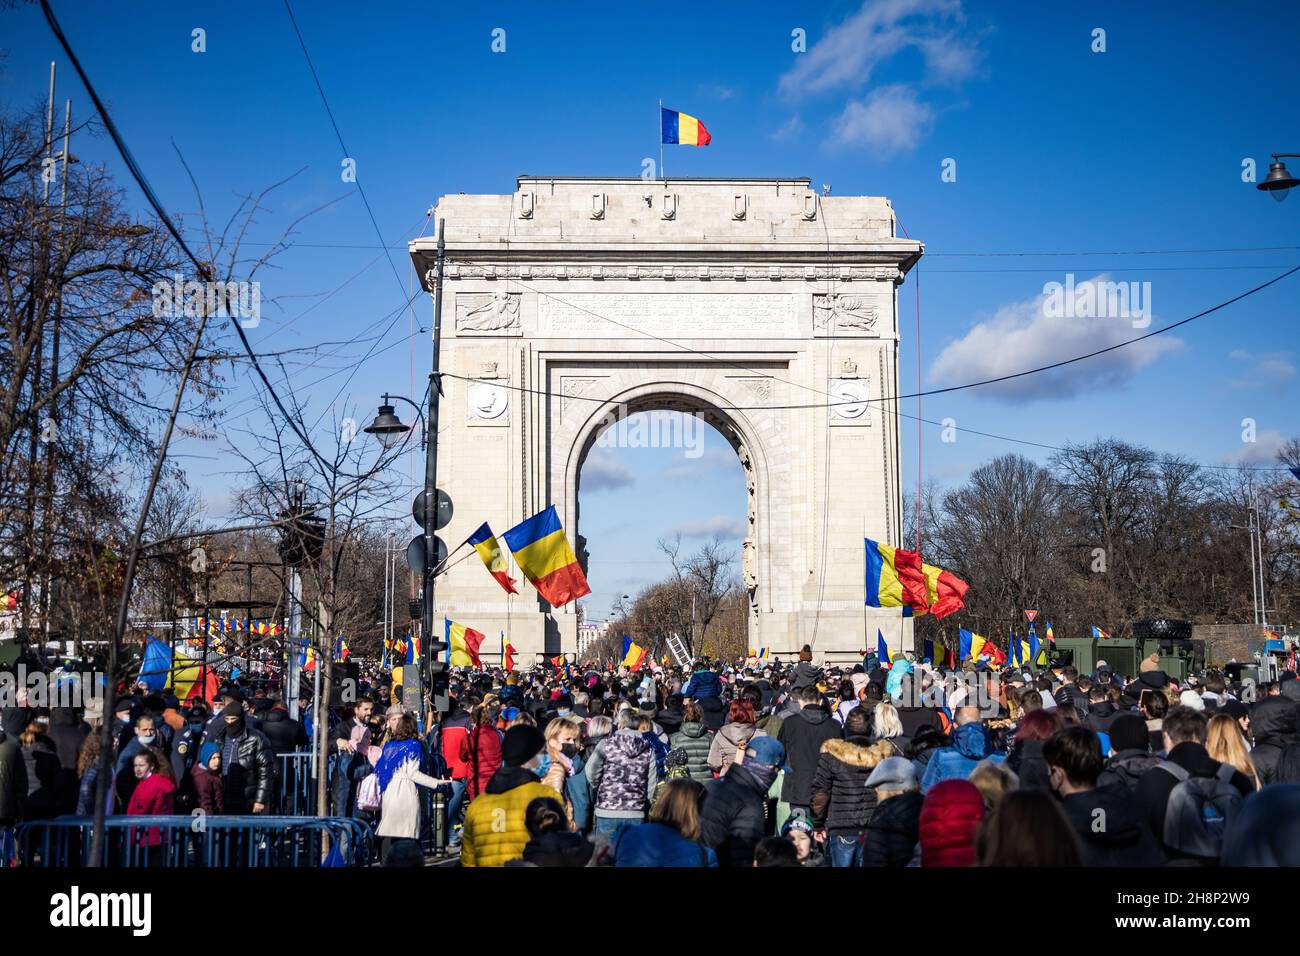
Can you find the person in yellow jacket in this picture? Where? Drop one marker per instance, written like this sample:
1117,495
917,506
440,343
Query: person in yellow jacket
495,830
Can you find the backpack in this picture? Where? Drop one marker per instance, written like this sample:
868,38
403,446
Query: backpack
1199,810
369,796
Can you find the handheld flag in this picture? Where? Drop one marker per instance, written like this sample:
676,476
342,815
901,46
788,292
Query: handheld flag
464,643
507,654
1051,635
1099,633
681,129
156,666
882,649
494,559
1033,647
634,656
894,577
1015,647
543,554
945,592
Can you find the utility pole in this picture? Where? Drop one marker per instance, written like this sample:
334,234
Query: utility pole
432,648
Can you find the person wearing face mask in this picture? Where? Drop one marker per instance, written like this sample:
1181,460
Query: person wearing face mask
247,764
495,827
732,823
144,736
561,768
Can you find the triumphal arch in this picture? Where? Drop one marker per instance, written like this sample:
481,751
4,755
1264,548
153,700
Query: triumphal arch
761,305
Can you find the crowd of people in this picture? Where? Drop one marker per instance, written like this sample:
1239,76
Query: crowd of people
741,764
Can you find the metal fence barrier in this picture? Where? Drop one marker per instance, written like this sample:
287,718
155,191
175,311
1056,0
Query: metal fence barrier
296,782
200,841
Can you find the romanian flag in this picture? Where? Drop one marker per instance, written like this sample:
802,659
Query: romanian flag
1099,633
494,559
507,654
543,553
308,662
762,653
882,649
156,665
8,601
557,661
464,643
945,592
634,656
1051,635
191,680
975,646
894,577
1034,646
681,129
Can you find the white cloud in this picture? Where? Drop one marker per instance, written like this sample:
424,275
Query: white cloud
1264,368
1262,451
602,471
721,525
890,120
1022,336
791,129
849,53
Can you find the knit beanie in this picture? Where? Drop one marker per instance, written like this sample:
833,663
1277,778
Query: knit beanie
521,744
1129,732
206,753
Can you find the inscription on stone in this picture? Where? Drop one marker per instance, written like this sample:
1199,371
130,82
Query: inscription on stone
690,315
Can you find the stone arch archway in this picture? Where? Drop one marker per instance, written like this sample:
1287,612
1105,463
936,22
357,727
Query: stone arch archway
747,438
765,308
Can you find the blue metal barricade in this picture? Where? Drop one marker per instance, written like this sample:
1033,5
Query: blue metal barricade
296,780
200,841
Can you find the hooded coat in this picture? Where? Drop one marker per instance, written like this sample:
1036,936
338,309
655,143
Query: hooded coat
697,743
971,743
1124,840
802,735
730,738
495,832
842,803
1127,767
1026,759
732,822
1274,725
950,815
892,830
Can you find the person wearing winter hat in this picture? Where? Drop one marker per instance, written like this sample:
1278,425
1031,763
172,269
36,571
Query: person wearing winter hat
496,830
804,675
206,777
950,816
733,823
1131,756
247,763
1190,698
891,833
799,831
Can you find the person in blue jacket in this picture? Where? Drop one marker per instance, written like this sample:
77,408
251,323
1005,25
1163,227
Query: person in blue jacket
703,683
971,743
671,837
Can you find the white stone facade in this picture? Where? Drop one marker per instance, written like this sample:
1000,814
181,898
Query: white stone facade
575,300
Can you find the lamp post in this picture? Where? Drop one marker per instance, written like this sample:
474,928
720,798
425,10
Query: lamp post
388,428
1279,182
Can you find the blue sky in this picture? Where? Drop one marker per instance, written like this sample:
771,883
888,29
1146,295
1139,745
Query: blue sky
1057,149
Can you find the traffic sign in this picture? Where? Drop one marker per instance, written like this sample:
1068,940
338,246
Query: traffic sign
1031,615
442,515
415,553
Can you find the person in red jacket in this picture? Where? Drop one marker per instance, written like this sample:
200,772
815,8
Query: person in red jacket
206,776
481,749
453,733
154,795
950,816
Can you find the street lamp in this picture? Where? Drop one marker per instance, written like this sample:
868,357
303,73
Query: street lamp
1279,181
387,427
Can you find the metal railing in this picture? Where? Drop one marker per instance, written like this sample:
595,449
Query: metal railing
296,783
200,841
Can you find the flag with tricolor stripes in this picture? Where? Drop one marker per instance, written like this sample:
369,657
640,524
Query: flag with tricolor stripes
682,129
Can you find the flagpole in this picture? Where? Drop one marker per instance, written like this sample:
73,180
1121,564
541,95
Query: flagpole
660,133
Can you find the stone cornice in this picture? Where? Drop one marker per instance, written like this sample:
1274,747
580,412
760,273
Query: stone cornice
489,271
